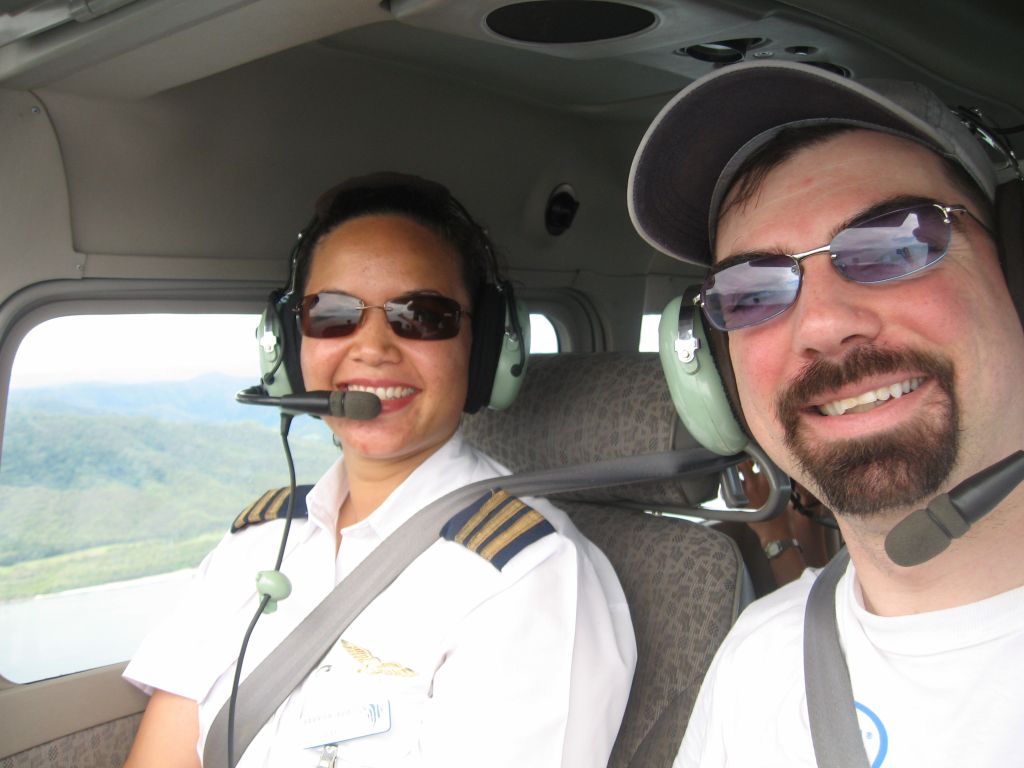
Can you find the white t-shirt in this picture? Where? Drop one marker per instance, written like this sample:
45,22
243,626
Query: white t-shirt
944,688
457,663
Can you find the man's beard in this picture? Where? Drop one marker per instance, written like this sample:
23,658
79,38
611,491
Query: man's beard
894,469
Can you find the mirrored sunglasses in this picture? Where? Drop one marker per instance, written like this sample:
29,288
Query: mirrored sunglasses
880,249
419,316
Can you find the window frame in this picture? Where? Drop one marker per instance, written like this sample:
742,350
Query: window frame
577,324
112,698
45,301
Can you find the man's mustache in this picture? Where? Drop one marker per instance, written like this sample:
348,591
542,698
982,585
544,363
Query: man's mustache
823,376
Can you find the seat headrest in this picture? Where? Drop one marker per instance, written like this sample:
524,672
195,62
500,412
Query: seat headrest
580,408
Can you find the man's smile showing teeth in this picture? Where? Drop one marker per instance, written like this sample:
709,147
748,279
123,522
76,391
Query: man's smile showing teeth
870,399
384,393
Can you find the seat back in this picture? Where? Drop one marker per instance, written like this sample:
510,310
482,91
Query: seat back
683,580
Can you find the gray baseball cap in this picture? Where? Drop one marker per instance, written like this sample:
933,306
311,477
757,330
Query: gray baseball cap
689,156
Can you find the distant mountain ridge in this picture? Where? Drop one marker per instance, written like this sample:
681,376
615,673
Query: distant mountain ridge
207,398
210,397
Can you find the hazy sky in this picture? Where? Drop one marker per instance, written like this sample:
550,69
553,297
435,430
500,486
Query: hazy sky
136,348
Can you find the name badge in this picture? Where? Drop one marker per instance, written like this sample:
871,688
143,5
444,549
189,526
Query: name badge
345,722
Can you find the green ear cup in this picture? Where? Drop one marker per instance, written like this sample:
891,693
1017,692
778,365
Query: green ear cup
693,380
271,342
512,360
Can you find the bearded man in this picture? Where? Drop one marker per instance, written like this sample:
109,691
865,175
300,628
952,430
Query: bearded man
862,311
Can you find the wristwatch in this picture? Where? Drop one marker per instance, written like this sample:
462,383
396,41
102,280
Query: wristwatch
775,548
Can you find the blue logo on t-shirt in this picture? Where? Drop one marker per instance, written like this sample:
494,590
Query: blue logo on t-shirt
876,740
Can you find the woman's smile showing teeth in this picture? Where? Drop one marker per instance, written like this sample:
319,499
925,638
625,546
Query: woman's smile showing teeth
384,393
870,399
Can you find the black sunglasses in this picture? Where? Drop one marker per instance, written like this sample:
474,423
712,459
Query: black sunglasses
887,247
419,316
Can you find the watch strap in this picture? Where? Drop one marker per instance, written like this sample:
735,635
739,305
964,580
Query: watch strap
775,548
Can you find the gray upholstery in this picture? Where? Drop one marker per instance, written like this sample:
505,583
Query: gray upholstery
582,408
683,580
104,746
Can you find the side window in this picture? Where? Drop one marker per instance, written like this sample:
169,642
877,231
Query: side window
543,337
125,459
649,333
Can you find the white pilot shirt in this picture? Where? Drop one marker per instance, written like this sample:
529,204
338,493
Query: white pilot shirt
457,663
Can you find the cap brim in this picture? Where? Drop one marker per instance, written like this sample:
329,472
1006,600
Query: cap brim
696,135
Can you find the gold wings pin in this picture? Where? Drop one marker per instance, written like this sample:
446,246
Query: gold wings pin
371,665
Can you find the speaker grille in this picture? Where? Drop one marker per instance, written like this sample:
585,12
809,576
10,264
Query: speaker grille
568,21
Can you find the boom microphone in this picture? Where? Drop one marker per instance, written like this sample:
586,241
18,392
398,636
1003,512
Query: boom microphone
345,405
926,533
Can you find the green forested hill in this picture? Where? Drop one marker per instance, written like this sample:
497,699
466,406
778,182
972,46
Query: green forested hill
89,495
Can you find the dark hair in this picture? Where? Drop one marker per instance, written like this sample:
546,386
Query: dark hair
751,174
425,202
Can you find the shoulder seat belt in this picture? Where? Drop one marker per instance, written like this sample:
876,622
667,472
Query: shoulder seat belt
835,732
262,692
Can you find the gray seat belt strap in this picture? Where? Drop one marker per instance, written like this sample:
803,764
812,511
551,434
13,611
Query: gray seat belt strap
262,692
835,732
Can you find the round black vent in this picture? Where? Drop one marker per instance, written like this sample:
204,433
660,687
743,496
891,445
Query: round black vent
723,51
561,209
568,21
835,69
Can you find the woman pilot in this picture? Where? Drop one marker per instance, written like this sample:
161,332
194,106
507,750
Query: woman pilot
470,658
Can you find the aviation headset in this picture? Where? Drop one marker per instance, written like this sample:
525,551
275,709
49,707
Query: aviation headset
668,202
694,380
500,326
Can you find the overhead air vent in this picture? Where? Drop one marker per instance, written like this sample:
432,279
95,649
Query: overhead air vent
801,50
723,51
733,51
561,209
828,66
568,21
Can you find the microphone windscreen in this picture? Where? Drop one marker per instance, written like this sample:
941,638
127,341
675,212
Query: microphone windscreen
354,405
927,532
916,539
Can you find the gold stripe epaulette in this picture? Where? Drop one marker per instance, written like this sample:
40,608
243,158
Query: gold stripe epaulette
270,506
497,527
